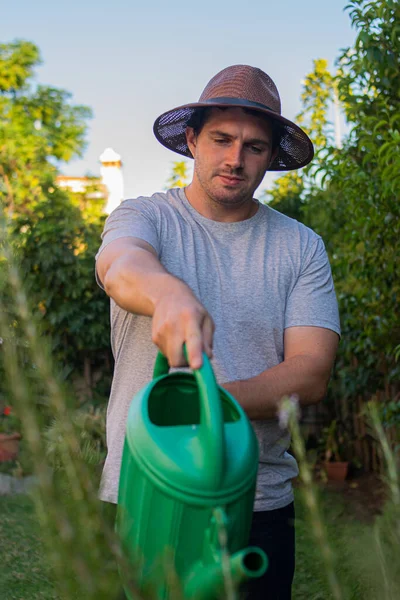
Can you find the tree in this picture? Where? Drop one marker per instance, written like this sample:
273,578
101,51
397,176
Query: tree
179,175
39,128
288,193
350,196
54,234
56,248
317,97
357,209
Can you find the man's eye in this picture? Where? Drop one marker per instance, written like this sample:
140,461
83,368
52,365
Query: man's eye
221,141
256,149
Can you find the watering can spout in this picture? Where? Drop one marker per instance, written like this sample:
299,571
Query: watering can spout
209,582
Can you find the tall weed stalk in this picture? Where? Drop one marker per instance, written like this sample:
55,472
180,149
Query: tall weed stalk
81,543
289,417
386,530
373,555
369,563
79,536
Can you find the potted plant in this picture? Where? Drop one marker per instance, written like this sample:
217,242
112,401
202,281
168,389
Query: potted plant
9,435
335,451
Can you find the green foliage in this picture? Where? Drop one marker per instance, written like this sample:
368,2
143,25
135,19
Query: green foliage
55,234
317,97
357,212
55,246
286,195
179,176
17,62
350,196
369,73
391,415
375,573
90,202
38,128
290,192
335,442
82,547
9,422
90,430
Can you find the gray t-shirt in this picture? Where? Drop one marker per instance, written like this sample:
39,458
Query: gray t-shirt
256,278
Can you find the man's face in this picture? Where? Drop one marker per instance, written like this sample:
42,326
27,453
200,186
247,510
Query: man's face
231,154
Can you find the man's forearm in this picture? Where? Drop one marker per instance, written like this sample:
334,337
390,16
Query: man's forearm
260,396
136,282
135,279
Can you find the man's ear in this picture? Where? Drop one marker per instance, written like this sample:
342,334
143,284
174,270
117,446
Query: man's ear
191,139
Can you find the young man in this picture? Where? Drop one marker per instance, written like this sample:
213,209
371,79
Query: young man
211,267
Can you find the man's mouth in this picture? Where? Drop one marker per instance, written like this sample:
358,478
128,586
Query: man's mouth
230,179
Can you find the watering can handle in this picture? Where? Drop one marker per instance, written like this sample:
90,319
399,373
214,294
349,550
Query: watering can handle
211,429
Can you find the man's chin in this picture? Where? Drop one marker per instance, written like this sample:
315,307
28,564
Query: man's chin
229,199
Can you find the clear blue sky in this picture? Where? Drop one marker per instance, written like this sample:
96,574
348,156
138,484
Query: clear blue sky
132,60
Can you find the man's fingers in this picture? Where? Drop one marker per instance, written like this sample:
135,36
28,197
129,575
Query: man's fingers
208,336
175,354
199,341
194,346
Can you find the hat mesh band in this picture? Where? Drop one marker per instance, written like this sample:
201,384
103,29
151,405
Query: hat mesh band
294,150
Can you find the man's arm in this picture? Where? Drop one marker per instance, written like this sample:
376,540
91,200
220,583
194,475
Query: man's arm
305,371
135,279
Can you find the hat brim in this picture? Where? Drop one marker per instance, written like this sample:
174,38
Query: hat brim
295,148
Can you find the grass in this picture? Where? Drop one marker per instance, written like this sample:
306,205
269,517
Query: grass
343,529
24,574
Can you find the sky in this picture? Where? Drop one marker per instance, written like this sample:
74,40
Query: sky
132,60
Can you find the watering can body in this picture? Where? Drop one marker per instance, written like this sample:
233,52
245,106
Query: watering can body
187,485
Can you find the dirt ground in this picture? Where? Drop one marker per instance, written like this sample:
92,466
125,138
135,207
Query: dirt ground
362,496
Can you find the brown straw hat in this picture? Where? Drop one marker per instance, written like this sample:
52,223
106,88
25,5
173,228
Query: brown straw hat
244,87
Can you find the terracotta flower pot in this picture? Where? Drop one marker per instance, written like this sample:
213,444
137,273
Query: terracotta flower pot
9,446
336,471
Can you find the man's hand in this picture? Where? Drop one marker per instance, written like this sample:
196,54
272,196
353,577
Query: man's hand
180,319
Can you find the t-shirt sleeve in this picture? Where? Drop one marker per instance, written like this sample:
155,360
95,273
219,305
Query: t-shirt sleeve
312,300
132,218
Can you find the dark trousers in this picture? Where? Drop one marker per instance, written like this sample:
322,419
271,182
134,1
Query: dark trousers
273,531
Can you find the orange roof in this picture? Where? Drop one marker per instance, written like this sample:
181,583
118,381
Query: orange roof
72,178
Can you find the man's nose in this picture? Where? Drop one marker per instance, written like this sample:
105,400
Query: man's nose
234,156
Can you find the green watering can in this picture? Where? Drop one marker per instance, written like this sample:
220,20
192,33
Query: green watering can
187,486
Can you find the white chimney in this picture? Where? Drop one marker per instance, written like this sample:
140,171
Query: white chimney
111,176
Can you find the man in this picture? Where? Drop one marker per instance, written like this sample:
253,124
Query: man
211,267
